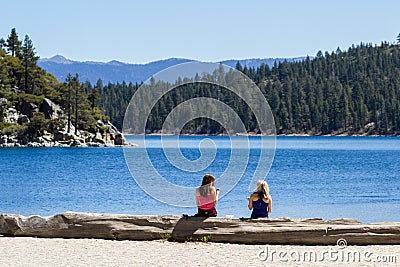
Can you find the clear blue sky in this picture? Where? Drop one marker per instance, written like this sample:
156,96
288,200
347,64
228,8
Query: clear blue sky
144,31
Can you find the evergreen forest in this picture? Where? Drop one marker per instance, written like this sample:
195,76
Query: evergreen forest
352,92
24,86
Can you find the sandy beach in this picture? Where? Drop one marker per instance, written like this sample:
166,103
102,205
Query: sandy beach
26,251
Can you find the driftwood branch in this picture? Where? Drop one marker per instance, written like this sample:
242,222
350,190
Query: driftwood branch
313,231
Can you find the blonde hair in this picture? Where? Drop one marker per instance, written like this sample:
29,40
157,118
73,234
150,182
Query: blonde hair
263,189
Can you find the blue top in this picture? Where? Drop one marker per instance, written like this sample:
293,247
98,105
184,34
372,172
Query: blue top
260,209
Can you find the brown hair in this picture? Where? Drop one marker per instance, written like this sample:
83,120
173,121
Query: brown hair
204,189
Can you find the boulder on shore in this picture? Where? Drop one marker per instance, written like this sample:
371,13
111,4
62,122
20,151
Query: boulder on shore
314,231
27,108
11,115
50,109
23,119
119,140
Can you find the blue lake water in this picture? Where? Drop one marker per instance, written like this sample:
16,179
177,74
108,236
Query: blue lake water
328,177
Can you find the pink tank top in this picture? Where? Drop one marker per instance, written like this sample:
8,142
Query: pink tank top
206,203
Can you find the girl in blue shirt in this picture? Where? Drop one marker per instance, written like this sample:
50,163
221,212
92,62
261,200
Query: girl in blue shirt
261,201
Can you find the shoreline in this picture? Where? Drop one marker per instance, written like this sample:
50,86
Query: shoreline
276,135
97,145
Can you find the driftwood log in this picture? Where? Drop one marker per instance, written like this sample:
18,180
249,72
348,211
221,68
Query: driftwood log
313,231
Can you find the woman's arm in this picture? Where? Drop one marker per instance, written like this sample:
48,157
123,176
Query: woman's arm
270,205
197,199
250,205
251,199
215,194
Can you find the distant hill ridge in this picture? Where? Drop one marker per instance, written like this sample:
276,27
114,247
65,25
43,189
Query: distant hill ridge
117,72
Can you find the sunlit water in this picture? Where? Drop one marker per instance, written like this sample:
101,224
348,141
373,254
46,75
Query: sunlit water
328,177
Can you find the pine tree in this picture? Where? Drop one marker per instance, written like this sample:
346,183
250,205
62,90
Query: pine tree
67,101
79,98
13,44
2,43
94,97
76,104
239,66
29,59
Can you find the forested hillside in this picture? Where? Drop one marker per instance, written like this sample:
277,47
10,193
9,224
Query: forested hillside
36,109
353,91
344,92
356,91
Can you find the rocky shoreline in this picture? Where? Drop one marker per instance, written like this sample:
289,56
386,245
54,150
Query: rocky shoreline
104,134
280,231
111,137
64,139
17,119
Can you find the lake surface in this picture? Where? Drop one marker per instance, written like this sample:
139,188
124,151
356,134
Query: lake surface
328,177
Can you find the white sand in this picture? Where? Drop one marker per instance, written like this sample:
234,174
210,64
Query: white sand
21,251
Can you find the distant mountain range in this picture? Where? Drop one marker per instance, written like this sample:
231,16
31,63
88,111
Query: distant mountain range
115,71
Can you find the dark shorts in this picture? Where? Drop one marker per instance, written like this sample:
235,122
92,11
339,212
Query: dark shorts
256,216
206,213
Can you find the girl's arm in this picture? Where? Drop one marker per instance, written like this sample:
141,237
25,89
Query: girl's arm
250,199
250,205
197,199
253,197
215,194
270,205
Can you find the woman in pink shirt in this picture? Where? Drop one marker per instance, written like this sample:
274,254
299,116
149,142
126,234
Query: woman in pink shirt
207,197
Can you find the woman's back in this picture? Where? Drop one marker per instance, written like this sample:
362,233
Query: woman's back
260,201
206,197
205,202
260,209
